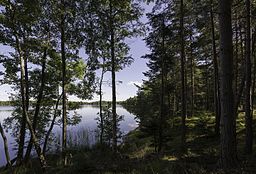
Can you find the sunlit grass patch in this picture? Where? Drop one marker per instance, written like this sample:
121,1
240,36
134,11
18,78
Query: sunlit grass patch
169,158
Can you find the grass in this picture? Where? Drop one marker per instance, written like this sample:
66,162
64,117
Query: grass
137,155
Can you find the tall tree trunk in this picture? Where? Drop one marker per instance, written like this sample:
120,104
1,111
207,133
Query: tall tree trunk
55,114
22,133
23,126
6,150
254,67
174,102
162,100
228,155
38,104
113,75
26,80
241,87
207,86
192,80
24,105
248,116
236,56
101,114
216,76
64,97
182,64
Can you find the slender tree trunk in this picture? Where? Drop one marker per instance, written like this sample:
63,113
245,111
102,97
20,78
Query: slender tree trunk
113,75
192,80
23,126
22,134
101,114
55,114
239,95
236,56
254,69
216,76
162,101
36,143
168,93
241,87
7,155
24,104
64,97
26,81
186,82
174,103
38,104
182,62
207,87
228,155
248,116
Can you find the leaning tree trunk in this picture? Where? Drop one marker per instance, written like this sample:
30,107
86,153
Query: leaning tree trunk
6,150
248,115
182,64
55,114
38,104
228,155
24,105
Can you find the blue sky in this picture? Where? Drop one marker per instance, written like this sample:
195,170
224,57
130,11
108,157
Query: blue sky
128,76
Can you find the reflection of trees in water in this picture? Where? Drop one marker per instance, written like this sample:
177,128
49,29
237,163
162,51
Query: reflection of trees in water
83,133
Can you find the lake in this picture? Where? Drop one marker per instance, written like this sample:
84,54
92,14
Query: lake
88,123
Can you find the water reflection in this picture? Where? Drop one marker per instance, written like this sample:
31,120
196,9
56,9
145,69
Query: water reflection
87,126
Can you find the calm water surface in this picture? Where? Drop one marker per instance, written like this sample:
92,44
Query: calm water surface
88,124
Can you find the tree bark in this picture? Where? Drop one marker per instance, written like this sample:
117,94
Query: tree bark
24,105
228,155
21,137
192,79
24,108
101,94
101,114
216,76
38,104
254,68
248,115
52,125
113,75
241,87
236,56
162,100
6,150
182,62
64,97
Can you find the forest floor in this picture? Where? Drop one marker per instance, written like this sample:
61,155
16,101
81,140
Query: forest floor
137,155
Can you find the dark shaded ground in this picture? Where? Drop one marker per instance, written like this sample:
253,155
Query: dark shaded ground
137,155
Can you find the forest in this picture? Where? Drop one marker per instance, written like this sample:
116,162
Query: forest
194,109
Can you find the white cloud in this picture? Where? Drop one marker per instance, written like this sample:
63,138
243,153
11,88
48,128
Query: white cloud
133,125
132,83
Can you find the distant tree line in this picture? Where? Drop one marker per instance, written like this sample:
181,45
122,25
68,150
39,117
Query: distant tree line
45,65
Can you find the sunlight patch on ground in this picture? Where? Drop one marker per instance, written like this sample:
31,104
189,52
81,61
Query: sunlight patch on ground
170,158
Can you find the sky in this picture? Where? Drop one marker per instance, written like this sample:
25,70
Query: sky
129,76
